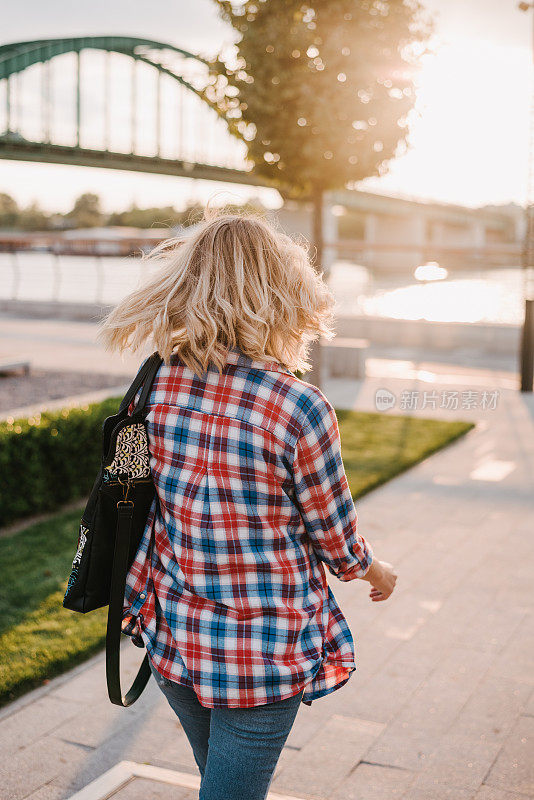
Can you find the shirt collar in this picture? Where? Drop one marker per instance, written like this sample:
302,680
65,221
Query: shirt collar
236,356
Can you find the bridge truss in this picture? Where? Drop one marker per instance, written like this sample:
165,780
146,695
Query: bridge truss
116,102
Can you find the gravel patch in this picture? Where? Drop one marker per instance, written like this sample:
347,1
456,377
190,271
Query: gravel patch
41,385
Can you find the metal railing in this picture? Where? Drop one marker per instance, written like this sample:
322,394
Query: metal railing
54,277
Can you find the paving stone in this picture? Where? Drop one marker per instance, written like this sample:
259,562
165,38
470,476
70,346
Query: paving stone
514,768
492,627
443,628
391,685
403,618
49,792
515,662
415,733
89,685
103,720
490,793
529,705
327,758
309,721
369,654
286,756
492,710
94,764
36,765
143,740
373,782
33,721
380,699
178,753
461,761
425,788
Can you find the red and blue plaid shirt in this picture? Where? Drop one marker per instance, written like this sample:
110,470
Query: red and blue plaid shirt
229,583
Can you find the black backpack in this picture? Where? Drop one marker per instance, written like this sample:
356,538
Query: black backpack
112,525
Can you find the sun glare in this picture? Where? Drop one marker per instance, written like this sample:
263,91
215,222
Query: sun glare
469,130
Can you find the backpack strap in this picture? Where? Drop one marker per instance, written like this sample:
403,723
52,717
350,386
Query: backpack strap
155,363
137,381
125,512
116,600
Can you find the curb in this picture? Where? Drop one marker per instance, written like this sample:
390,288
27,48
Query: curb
64,402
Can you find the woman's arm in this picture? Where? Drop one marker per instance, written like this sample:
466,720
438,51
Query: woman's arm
323,495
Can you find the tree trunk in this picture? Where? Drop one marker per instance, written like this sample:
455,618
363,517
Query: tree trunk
315,351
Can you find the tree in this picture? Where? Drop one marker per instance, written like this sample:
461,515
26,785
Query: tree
136,217
320,91
86,212
9,211
33,218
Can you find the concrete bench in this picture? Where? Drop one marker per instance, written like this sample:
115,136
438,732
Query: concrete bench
344,357
8,366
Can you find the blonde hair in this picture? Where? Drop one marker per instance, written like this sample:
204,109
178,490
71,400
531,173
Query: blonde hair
232,280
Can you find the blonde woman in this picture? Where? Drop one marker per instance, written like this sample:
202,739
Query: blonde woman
228,591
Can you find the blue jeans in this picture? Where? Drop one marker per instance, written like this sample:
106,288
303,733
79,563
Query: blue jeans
236,749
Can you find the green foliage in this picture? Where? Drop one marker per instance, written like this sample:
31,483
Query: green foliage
168,216
9,211
321,91
40,639
28,218
376,447
50,459
33,218
86,212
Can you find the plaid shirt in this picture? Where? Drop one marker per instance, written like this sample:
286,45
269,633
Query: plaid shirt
229,583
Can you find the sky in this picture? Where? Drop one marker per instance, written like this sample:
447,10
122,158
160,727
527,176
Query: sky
469,141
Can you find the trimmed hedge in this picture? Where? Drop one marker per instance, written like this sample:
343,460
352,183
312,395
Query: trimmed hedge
50,459
53,458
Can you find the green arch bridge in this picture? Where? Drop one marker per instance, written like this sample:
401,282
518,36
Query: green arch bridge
116,102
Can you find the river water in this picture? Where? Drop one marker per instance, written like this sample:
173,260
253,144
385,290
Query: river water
481,296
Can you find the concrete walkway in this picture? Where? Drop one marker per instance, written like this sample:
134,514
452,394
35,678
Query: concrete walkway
442,706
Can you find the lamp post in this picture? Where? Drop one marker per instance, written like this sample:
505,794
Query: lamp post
527,337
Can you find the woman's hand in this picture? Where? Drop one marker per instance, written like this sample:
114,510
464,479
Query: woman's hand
382,578
128,628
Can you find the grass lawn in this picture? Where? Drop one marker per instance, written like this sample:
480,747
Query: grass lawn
40,639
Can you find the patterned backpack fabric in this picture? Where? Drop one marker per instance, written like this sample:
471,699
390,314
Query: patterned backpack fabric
113,523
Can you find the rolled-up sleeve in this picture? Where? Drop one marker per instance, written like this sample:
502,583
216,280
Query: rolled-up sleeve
323,496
